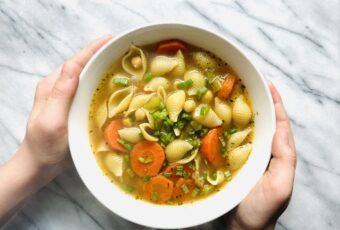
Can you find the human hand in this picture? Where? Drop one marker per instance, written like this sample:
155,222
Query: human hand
271,195
46,142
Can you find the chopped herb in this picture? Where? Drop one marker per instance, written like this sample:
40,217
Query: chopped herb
200,92
125,143
123,81
179,170
128,188
192,166
214,176
166,138
146,178
210,76
226,134
126,158
185,116
167,174
185,84
195,192
185,188
204,110
161,105
232,131
216,85
222,141
205,175
154,196
224,151
130,172
202,132
145,160
196,125
228,175
195,142
147,77
207,188
185,175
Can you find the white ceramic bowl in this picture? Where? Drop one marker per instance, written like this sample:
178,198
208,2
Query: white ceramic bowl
163,216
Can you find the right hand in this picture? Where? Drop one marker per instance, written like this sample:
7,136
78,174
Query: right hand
270,197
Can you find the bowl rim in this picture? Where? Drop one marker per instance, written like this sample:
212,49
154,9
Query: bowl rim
190,26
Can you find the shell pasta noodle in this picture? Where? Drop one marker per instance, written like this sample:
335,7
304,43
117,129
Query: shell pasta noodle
170,123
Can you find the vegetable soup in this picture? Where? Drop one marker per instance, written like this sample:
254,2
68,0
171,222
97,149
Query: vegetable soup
170,123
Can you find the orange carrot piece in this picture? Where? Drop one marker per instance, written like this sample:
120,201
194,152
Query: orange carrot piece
171,46
111,135
182,193
227,87
173,168
147,158
211,147
159,189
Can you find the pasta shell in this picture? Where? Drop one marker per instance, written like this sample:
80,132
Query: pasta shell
174,104
119,100
161,93
204,60
223,111
176,150
155,83
237,157
219,178
241,112
102,147
187,159
114,163
145,128
198,81
179,70
161,65
101,115
138,102
134,51
237,138
210,120
150,118
132,134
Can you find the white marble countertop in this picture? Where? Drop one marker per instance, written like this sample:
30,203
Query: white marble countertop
295,44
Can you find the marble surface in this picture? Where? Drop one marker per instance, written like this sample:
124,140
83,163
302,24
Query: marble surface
295,44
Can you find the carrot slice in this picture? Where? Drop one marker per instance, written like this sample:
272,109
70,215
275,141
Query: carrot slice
227,87
183,189
171,169
111,135
159,189
147,158
171,46
211,147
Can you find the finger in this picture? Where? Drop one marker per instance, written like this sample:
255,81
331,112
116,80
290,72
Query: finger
84,56
64,89
283,147
43,91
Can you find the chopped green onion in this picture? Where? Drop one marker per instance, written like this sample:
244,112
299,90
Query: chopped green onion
216,85
167,174
228,175
153,103
196,125
147,77
224,151
185,116
192,166
125,143
185,188
200,92
222,141
210,76
123,81
126,157
130,172
128,188
232,131
185,175
204,110
226,134
195,192
145,160
161,105
205,175
207,188
166,138
195,142
185,84
214,176
154,196
146,178
202,132
179,170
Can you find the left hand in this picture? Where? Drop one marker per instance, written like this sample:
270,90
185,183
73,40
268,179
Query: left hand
46,140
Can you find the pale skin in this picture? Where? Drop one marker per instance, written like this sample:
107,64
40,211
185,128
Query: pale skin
44,152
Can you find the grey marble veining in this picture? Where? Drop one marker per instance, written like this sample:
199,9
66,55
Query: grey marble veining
295,44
